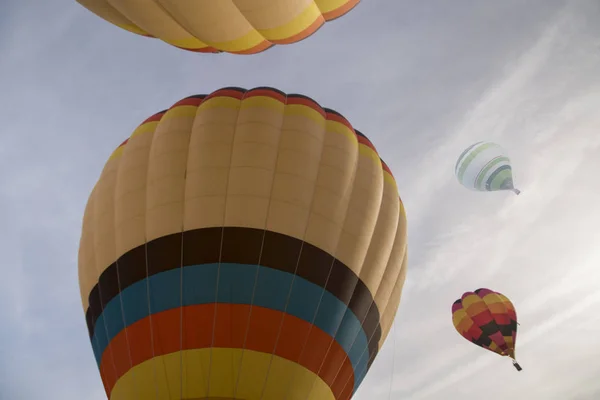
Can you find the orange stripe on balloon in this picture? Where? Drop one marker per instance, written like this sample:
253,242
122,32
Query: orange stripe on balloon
190,101
259,48
207,49
232,320
307,102
363,140
334,116
312,28
228,92
338,12
266,93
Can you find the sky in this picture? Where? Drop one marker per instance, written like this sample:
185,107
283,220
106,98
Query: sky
423,80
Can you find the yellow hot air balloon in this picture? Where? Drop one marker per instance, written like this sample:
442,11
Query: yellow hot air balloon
233,26
247,244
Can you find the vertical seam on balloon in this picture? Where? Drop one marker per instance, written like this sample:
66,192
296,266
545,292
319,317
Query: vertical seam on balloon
351,297
374,295
333,259
101,302
121,292
126,335
235,129
154,361
262,244
181,256
289,294
360,375
202,40
383,311
159,4
256,30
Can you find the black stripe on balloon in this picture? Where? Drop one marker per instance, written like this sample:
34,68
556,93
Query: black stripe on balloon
488,183
242,246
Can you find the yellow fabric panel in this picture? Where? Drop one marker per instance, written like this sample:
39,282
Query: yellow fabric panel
329,5
395,267
130,191
382,242
150,16
209,161
387,317
267,23
506,301
363,210
296,172
166,173
161,377
104,216
86,259
253,160
218,24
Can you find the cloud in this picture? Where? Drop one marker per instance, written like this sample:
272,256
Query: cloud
538,248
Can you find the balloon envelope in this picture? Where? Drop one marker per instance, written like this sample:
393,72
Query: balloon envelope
484,166
209,26
488,319
245,244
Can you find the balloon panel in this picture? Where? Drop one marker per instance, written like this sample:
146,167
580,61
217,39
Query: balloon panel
207,26
243,222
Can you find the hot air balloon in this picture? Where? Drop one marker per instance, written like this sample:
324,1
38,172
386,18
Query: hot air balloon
246,244
484,166
209,26
489,320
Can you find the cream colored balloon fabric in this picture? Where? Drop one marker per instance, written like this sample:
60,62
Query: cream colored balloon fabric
246,244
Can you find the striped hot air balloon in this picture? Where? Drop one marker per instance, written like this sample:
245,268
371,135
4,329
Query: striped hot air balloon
489,320
212,26
247,244
485,167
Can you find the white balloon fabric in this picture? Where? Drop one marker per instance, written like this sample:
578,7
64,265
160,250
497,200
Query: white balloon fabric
485,167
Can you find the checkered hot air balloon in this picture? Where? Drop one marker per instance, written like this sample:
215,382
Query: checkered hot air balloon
489,320
485,167
247,244
214,26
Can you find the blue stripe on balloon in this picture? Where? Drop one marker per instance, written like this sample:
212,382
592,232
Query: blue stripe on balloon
236,283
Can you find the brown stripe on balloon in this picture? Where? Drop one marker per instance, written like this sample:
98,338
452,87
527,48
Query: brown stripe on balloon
241,246
156,117
305,101
266,92
364,140
236,93
333,115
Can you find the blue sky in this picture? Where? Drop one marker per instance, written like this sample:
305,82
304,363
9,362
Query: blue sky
423,80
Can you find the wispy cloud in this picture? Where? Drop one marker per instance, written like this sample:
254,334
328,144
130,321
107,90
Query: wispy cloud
538,248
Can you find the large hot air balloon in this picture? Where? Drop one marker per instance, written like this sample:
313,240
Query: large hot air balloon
210,26
247,244
489,320
484,166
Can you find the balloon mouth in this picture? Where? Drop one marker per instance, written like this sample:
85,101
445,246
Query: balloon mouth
508,184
